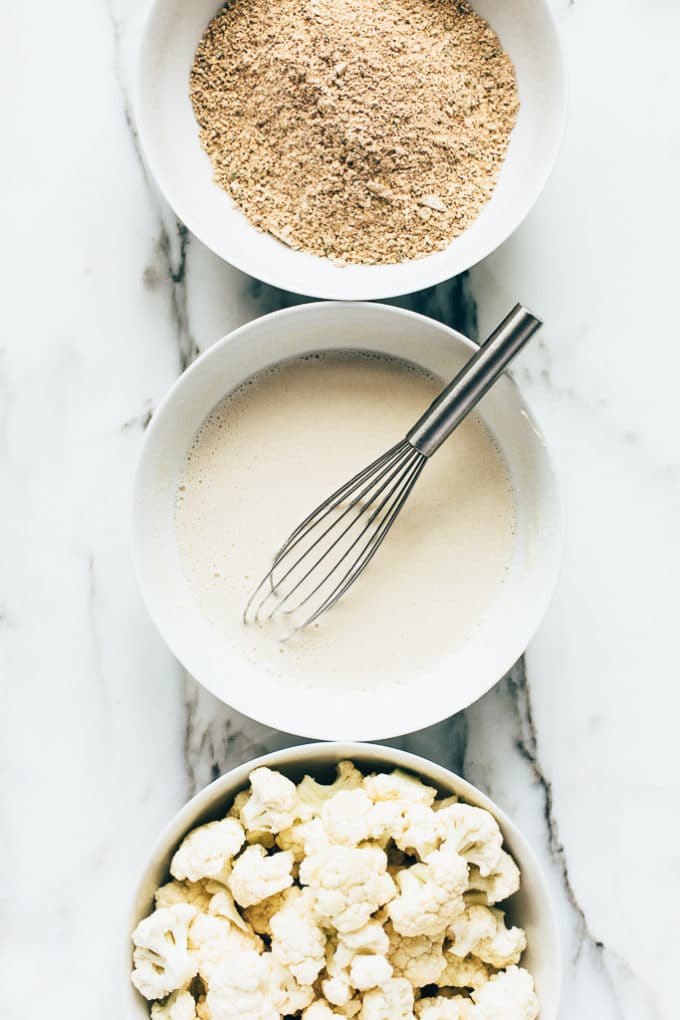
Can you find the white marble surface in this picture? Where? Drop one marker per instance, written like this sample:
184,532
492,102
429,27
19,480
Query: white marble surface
106,299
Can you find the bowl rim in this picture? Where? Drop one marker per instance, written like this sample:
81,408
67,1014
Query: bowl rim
374,289
419,716
326,753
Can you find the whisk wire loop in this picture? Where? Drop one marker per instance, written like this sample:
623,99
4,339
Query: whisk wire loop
368,501
398,474
323,546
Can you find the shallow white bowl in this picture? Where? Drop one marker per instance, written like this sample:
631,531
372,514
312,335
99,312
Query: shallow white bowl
531,907
325,713
169,136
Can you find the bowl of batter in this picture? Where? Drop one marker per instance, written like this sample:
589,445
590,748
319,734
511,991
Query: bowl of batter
255,434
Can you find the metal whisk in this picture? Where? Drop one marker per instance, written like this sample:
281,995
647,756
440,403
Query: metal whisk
324,556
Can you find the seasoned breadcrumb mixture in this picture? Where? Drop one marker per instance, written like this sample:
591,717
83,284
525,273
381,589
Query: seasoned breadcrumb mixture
367,131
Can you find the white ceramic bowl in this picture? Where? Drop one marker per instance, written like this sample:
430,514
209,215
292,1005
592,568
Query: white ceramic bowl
169,136
325,713
531,907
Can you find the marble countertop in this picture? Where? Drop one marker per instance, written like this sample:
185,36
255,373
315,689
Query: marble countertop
107,298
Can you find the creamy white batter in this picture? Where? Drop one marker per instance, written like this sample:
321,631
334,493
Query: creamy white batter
281,443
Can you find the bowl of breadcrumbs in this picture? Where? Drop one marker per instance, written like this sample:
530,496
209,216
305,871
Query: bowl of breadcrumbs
350,149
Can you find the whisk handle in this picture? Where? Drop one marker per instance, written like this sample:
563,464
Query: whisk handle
472,382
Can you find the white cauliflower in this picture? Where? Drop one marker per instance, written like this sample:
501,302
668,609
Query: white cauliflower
297,940
350,884
256,876
313,868
481,931
351,1008
320,1010
349,818
163,961
207,852
272,804
222,905
399,786
193,893
431,895
240,989
259,915
394,1001
439,1007
473,833
356,961
336,985
181,1005
287,994
213,939
312,795
369,971
239,800
303,838
372,938
503,882
463,972
416,832
337,988
419,959
508,995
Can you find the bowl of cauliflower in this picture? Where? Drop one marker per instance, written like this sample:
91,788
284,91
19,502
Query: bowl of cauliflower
342,881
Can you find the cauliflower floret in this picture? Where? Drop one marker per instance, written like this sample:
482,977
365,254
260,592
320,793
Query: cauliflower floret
369,971
239,800
508,995
320,1010
474,833
303,838
372,938
297,940
272,804
350,884
312,795
399,786
207,852
394,1001
337,989
466,972
336,985
259,915
222,905
256,876
163,962
498,886
416,832
287,994
482,932
193,893
418,959
213,939
266,839
240,989
349,818
440,1007
356,962
351,1008
431,895
180,1006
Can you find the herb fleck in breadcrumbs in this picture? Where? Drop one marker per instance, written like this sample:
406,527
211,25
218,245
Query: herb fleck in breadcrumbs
366,131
